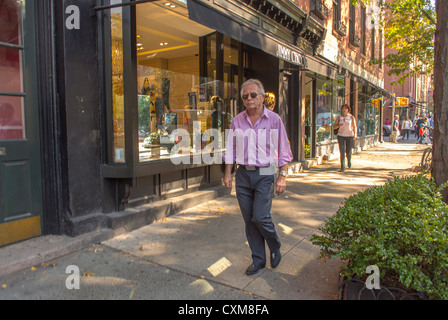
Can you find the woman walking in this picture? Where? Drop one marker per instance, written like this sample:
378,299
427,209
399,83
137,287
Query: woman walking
347,132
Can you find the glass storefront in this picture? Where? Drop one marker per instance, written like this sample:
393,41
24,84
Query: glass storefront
330,96
186,79
187,83
324,105
369,102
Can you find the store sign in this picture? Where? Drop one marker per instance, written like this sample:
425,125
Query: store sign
290,55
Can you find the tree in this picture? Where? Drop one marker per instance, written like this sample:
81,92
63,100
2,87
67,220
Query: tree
421,42
440,144
409,28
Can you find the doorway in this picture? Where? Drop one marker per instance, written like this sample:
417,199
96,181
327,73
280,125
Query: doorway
20,166
289,93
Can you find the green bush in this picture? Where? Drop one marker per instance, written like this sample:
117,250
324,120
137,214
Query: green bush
401,227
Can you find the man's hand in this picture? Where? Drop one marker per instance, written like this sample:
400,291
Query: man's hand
280,185
228,176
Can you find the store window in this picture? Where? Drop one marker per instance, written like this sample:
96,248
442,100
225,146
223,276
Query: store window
368,111
309,102
339,99
231,77
172,91
330,96
12,91
180,111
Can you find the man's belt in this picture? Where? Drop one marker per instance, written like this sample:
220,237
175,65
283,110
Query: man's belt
250,168
269,170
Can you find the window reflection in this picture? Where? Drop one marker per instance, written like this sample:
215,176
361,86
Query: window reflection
368,111
117,83
330,96
11,70
11,118
10,58
309,102
10,21
324,97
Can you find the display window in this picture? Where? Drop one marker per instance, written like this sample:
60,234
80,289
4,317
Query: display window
184,78
368,111
324,102
309,120
330,96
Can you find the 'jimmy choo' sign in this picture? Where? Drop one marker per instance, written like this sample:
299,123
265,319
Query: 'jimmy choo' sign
290,55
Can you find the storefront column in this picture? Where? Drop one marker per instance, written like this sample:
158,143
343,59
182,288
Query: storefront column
354,106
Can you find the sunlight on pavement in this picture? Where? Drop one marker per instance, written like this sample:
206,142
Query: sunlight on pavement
219,266
203,286
286,230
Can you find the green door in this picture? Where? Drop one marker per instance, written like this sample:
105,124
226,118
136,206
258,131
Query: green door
20,169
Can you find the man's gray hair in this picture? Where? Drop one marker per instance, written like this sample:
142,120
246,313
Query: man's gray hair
256,82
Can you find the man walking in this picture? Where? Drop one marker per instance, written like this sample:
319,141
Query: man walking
407,125
417,127
255,133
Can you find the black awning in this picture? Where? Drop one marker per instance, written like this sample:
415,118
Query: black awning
244,32
366,82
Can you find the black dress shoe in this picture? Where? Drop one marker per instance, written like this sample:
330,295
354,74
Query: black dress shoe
253,269
275,259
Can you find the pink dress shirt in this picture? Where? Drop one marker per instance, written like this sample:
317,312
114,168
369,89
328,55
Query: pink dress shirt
263,144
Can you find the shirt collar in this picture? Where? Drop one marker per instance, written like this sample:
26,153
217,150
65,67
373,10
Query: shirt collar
266,112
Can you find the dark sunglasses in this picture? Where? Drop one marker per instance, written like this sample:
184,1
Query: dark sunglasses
253,95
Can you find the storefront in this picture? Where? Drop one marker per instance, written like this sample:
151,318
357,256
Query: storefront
324,97
127,113
172,73
172,79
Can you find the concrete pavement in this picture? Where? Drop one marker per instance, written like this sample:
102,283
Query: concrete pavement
202,253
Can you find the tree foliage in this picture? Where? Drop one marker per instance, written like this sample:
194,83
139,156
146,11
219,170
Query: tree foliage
401,227
409,28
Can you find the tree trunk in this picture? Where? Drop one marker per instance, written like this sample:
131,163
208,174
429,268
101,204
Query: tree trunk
440,145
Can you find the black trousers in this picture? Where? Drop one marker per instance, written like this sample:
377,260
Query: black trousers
345,149
254,193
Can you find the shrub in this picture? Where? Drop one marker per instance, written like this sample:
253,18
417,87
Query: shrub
401,227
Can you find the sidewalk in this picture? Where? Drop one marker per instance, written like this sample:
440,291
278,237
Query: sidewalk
201,253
